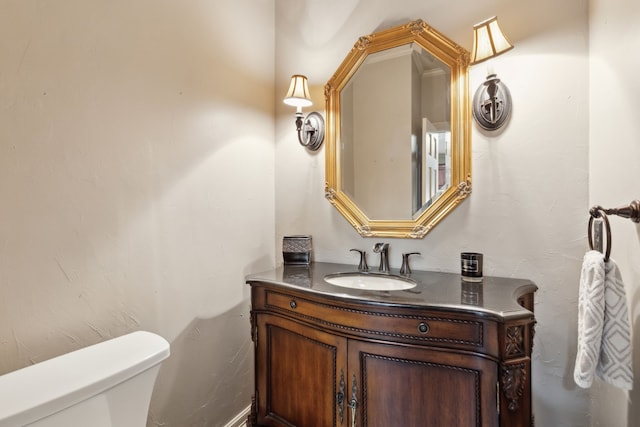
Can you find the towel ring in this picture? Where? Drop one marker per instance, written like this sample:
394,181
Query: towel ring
598,212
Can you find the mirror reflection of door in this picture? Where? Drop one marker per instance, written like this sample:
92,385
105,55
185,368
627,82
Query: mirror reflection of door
432,168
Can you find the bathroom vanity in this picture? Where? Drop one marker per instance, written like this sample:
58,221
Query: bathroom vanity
442,353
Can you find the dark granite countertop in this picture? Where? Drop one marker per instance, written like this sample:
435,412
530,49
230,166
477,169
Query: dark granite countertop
494,297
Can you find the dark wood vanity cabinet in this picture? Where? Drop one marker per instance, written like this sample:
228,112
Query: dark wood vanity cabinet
322,360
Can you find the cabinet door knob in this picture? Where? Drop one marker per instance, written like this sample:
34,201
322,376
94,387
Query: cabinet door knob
423,328
293,304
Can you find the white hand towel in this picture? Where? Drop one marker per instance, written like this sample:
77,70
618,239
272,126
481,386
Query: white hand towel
590,318
615,362
604,332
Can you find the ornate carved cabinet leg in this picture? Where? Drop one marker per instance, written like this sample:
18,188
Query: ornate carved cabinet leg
252,419
516,339
513,380
254,328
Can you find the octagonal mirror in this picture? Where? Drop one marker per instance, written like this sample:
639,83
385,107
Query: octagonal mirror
398,153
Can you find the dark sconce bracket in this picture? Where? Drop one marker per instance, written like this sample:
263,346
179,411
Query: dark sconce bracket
310,130
491,104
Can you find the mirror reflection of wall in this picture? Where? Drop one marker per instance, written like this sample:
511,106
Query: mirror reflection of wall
380,135
393,111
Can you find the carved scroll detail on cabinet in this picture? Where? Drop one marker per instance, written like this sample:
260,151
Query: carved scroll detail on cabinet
513,379
515,340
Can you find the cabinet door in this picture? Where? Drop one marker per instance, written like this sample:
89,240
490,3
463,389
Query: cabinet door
298,371
418,387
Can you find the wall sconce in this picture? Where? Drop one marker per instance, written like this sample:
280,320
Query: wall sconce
311,128
492,100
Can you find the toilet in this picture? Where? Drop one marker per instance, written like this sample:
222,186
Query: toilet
104,385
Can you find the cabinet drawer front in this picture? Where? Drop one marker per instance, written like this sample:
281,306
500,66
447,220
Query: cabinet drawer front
418,326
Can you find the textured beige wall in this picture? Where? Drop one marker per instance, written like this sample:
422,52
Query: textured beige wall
136,186
614,152
528,209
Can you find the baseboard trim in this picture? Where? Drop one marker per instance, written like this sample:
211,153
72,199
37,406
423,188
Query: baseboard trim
240,419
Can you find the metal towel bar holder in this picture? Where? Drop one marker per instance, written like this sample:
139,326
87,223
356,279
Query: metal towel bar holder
631,211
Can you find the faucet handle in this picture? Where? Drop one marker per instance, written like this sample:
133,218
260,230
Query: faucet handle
378,247
405,270
362,266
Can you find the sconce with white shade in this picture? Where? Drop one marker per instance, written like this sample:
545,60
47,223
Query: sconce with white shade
492,100
310,128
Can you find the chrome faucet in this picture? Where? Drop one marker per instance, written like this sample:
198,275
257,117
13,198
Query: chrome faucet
383,250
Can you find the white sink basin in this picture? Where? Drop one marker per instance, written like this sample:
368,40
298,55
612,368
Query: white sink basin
369,281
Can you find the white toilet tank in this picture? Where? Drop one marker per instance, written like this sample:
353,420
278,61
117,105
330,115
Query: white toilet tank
105,385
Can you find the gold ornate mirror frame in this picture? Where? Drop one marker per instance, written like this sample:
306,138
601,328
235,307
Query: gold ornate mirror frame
455,57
